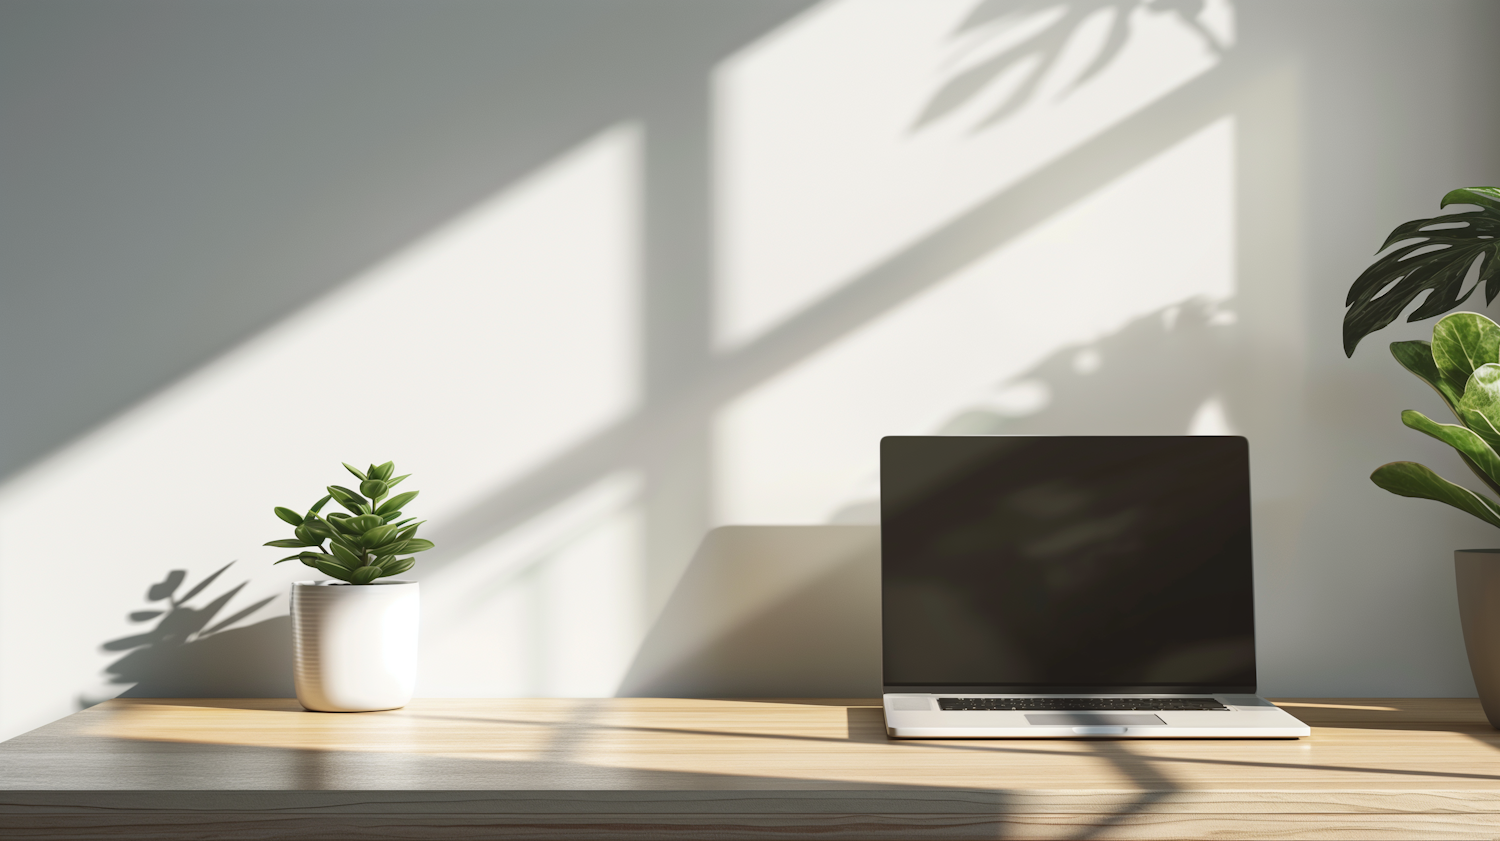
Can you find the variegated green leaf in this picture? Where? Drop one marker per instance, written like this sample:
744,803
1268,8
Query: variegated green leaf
1479,408
1478,455
1411,479
1416,357
1462,342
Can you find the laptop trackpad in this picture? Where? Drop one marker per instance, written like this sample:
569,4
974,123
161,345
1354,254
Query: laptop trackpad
1073,719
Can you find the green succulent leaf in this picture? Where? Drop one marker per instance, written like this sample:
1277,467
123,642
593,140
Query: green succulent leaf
374,489
1478,455
417,544
288,543
348,542
309,557
1416,357
1479,408
394,548
399,565
397,502
1408,478
305,533
383,471
347,557
362,523
319,506
355,470
332,570
1390,284
347,498
365,574
393,482
379,536
1462,342
288,558
288,515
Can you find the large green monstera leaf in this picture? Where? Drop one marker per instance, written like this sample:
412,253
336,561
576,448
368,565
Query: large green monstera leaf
1437,255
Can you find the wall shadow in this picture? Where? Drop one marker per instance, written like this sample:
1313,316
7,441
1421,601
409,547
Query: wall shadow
194,652
189,176
1151,377
769,611
1038,54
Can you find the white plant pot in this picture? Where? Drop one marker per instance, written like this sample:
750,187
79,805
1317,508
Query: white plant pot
355,645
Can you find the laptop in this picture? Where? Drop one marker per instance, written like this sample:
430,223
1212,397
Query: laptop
1069,587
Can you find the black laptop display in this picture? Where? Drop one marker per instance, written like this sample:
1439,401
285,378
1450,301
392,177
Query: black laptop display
1067,564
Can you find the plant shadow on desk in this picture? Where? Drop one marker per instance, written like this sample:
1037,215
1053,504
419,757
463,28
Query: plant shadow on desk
197,652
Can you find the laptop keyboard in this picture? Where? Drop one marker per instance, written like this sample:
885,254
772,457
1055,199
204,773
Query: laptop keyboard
1072,704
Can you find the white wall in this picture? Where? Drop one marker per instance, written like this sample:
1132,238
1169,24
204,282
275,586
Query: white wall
607,275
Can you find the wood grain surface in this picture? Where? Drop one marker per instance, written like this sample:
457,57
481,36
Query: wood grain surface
653,768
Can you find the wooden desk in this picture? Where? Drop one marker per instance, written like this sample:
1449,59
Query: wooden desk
644,768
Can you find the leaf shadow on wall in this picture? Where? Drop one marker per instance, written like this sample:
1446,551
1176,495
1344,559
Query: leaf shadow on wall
1035,56
1169,372
1154,376
193,653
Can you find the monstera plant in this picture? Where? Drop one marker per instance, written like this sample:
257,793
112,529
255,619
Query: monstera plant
365,544
1435,256
1462,364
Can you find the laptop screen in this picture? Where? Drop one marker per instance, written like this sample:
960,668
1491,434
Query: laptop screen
1066,564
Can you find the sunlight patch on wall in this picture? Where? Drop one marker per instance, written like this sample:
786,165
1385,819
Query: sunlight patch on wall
479,352
863,126
1211,419
550,608
801,447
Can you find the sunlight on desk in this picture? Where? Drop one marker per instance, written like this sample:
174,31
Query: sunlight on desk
561,767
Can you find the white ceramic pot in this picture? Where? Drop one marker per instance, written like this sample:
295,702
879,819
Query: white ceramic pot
355,645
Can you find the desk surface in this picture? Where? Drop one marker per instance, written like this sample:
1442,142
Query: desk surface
627,768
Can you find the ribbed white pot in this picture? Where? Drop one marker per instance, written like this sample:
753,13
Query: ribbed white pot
355,645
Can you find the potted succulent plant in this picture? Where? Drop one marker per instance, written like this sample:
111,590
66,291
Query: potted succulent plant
355,638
